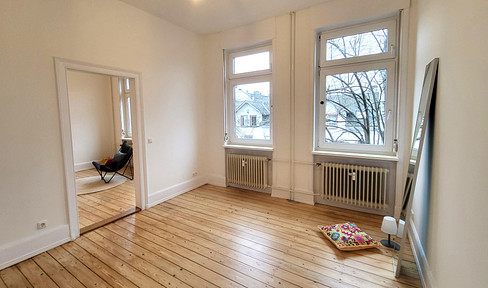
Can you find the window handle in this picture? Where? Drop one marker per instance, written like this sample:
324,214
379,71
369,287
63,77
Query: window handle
392,50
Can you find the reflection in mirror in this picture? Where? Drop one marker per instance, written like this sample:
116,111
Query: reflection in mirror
416,152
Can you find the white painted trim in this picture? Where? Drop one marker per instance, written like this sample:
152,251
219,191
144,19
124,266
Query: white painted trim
404,112
216,180
293,29
231,80
301,196
248,147
116,113
388,23
423,266
163,195
235,53
139,158
84,166
19,250
304,197
66,140
390,65
280,192
356,155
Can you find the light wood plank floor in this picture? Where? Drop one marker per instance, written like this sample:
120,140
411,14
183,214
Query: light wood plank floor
96,207
214,237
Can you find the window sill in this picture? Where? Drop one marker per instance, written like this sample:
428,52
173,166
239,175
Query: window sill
357,155
246,147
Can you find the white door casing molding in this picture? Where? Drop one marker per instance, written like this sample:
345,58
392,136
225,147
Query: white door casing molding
139,162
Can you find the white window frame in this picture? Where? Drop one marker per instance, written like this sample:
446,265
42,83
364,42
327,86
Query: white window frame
244,52
390,24
232,80
387,60
125,98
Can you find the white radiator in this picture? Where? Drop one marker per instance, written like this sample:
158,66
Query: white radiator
249,171
355,185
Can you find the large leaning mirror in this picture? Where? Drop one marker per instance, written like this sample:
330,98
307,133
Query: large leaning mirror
416,152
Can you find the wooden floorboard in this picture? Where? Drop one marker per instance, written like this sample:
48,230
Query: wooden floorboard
212,237
96,207
14,278
35,274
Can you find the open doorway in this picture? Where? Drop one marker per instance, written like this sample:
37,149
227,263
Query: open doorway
93,128
100,114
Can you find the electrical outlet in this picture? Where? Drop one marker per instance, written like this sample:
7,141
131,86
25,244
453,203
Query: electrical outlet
194,174
42,224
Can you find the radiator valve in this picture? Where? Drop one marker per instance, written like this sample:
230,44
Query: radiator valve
352,175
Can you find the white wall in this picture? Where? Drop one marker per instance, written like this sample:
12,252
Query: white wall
92,117
103,32
453,225
330,14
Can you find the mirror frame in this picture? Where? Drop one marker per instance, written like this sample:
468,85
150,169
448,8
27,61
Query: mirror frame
421,122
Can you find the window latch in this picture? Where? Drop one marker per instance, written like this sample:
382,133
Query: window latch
392,50
395,145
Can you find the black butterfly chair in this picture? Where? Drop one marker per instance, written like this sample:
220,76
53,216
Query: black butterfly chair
121,159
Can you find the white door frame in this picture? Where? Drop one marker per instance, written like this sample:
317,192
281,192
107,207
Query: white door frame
140,182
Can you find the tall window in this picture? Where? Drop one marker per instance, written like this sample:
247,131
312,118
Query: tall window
356,99
126,90
249,89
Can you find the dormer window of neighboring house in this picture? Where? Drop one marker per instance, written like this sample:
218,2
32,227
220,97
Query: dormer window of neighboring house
249,92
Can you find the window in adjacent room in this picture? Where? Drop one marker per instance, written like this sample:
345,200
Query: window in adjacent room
357,96
126,91
249,89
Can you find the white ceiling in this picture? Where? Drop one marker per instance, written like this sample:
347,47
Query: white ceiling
209,16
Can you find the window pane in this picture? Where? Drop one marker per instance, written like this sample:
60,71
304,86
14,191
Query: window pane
251,111
252,63
355,107
369,43
122,118
129,119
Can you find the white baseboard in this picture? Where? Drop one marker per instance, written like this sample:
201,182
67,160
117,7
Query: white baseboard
423,266
280,192
300,196
304,197
173,191
15,252
84,166
216,180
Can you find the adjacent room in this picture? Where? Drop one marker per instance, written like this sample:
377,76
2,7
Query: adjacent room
100,117
230,143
